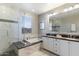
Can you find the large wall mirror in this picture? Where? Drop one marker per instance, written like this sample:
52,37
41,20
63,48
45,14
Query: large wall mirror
54,24
63,24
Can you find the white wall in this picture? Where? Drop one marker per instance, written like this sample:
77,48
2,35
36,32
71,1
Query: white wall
46,23
9,13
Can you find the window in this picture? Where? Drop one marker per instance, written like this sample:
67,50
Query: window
26,24
41,25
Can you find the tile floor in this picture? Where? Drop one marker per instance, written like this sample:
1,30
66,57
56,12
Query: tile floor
28,52
42,53
39,53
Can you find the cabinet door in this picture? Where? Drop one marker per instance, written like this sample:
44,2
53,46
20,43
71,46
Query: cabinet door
64,48
74,48
51,44
13,32
45,42
57,46
48,44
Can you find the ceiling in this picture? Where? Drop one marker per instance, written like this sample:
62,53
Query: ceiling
37,8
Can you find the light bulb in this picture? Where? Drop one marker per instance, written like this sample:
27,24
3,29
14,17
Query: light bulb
50,15
70,8
55,13
65,10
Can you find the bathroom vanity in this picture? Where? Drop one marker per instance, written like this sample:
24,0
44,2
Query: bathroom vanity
62,44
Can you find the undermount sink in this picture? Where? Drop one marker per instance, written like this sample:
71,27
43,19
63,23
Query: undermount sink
75,36
59,36
65,35
48,34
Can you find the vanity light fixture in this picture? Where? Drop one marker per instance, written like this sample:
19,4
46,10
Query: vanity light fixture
55,13
50,15
70,8
65,10
76,6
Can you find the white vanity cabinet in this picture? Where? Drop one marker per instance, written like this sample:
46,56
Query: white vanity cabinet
51,44
74,48
64,48
48,43
56,46
45,42
61,47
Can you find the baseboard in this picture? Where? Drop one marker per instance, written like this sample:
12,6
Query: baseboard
50,52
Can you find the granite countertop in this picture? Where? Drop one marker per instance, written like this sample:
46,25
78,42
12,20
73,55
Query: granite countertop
62,38
20,45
